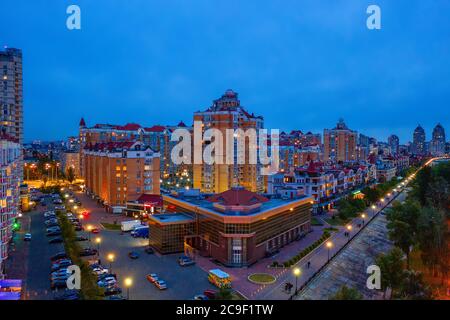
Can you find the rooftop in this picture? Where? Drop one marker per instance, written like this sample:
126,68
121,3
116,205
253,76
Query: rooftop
168,218
253,207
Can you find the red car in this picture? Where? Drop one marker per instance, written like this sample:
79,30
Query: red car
95,230
211,294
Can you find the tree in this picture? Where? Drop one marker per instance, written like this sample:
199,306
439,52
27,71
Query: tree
70,175
432,230
402,226
414,288
224,294
346,293
391,266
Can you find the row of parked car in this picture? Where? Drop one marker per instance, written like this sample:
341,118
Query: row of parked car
58,270
107,281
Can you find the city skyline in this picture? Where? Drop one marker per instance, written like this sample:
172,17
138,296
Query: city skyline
279,68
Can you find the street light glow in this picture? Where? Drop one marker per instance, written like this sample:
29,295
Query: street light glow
98,240
329,244
128,282
111,257
297,272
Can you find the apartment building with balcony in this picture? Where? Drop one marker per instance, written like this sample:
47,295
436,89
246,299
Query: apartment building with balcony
228,113
326,184
117,172
10,169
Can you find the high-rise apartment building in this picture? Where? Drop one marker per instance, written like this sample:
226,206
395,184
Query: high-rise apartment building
340,143
418,145
227,113
393,142
11,102
437,143
10,168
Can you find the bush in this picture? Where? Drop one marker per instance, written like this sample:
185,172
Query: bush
326,234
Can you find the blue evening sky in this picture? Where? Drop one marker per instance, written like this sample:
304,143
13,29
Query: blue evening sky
301,64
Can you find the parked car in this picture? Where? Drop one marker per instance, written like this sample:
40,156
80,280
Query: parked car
60,255
53,233
160,284
58,284
200,297
56,240
152,277
211,294
78,228
112,291
68,295
149,250
88,252
115,297
81,238
133,255
95,230
61,264
185,261
27,237
49,214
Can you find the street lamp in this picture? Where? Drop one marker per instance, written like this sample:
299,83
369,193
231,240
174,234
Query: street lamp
111,257
98,240
89,229
349,229
363,216
128,282
329,245
297,273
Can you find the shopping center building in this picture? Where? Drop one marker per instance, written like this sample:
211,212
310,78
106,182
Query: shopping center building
236,227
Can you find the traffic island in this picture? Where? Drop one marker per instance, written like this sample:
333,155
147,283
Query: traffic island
261,278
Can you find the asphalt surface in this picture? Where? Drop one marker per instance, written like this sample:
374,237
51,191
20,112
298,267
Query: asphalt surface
183,282
37,284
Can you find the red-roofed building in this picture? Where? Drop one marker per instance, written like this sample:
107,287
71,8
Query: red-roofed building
117,172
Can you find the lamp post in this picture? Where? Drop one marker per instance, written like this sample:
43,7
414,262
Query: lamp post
89,229
111,257
349,229
128,282
98,240
297,273
363,216
329,245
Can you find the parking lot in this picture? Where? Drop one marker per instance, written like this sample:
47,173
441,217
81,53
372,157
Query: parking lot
37,282
183,282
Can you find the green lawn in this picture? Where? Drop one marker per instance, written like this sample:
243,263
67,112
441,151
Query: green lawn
316,222
110,226
261,278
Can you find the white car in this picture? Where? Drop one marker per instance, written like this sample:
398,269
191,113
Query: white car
27,237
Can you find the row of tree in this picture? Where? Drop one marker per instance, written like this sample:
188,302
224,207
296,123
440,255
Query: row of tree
420,224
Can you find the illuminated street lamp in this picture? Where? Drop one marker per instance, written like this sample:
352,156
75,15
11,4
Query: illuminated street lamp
128,282
297,273
329,245
363,216
89,229
111,258
98,240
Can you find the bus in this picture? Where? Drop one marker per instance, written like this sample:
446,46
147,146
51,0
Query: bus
219,278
